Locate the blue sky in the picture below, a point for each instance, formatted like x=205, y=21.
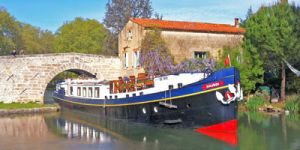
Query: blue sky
x=51, y=14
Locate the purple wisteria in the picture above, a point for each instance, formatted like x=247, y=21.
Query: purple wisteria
x=195, y=65
x=156, y=62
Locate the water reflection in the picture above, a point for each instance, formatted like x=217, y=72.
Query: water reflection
x=76, y=125
x=23, y=126
x=269, y=131
x=76, y=131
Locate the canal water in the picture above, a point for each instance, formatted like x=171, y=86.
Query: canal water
x=73, y=130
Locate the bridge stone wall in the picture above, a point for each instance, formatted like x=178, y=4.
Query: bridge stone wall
x=25, y=78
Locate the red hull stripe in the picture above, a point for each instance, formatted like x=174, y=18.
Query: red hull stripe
x=226, y=131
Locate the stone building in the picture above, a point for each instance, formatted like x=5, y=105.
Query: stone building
x=184, y=39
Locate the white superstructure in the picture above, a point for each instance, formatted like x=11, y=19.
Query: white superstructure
x=96, y=89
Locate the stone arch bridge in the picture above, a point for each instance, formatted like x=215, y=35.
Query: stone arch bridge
x=24, y=78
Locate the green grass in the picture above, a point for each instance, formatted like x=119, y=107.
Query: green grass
x=292, y=103
x=22, y=105
x=254, y=103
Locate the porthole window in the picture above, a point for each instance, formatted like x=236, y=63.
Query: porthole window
x=155, y=109
x=144, y=110
x=188, y=105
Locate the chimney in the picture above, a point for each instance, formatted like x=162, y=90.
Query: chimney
x=237, y=22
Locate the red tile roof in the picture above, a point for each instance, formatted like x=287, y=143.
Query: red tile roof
x=188, y=26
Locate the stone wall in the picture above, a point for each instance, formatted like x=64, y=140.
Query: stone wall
x=183, y=44
x=25, y=78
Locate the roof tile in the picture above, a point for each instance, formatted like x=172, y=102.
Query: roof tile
x=188, y=26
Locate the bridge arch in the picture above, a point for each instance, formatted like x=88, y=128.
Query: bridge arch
x=69, y=67
x=26, y=77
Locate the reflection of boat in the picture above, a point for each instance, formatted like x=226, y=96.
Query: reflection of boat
x=187, y=99
x=73, y=125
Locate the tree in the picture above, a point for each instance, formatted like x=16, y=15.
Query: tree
x=30, y=39
x=270, y=31
x=118, y=12
x=246, y=58
x=47, y=41
x=155, y=56
x=82, y=36
x=35, y=40
x=9, y=32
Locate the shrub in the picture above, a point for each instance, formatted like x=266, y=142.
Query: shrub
x=255, y=102
x=292, y=103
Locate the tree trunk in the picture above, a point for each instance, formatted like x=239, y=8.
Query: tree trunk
x=283, y=78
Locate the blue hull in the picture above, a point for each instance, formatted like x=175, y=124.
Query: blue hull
x=196, y=103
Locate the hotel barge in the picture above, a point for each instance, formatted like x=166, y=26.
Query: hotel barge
x=185, y=99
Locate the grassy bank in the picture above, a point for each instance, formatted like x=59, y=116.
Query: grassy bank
x=24, y=105
x=260, y=102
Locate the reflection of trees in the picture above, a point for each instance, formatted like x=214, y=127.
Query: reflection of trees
x=261, y=131
x=259, y=118
x=23, y=126
x=293, y=121
x=250, y=139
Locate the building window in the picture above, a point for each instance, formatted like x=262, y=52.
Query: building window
x=126, y=60
x=136, y=59
x=202, y=55
x=129, y=35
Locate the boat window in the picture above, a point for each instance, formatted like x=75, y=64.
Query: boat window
x=141, y=93
x=171, y=87
x=105, y=97
x=179, y=85
x=78, y=91
x=84, y=92
x=90, y=92
x=127, y=95
x=97, y=90
x=71, y=90
x=134, y=95
x=110, y=97
x=116, y=96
